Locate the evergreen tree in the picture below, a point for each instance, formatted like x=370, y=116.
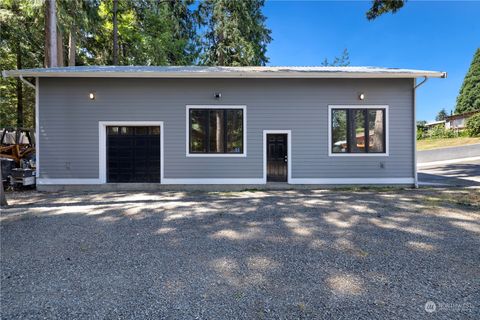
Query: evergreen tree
x=77, y=19
x=342, y=61
x=469, y=97
x=236, y=34
x=169, y=33
x=149, y=32
x=380, y=7
x=21, y=46
x=442, y=115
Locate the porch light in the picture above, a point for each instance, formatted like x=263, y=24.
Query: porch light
x=91, y=95
x=361, y=96
x=217, y=95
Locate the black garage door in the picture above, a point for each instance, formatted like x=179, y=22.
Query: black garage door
x=133, y=154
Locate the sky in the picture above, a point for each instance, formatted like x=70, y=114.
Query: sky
x=428, y=35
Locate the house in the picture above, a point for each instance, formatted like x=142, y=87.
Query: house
x=224, y=125
x=430, y=125
x=458, y=121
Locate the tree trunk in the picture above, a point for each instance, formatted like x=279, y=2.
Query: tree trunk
x=60, y=55
x=46, y=58
x=72, y=46
x=19, y=89
x=50, y=34
x=378, y=134
x=115, y=33
x=220, y=45
x=219, y=132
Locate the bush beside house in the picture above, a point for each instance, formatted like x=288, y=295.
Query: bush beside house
x=473, y=125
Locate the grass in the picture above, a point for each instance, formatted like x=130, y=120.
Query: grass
x=429, y=144
x=465, y=198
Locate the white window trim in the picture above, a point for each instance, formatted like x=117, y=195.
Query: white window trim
x=289, y=152
x=387, y=131
x=222, y=155
x=102, y=143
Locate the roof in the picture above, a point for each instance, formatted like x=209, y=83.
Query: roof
x=433, y=123
x=462, y=115
x=223, y=72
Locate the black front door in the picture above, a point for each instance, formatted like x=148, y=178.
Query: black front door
x=133, y=154
x=277, y=169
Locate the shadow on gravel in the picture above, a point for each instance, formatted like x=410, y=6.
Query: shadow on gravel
x=277, y=254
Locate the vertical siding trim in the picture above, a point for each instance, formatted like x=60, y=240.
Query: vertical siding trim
x=37, y=129
x=217, y=155
x=289, y=152
x=414, y=111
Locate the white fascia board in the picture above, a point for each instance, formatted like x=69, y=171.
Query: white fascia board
x=221, y=75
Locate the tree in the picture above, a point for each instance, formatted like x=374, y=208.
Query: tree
x=78, y=19
x=169, y=33
x=380, y=7
x=469, y=97
x=421, y=123
x=150, y=32
x=473, y=125
x=342, y=61
x=51, y=34
x=21, y=46
x=115, y=32
x=442, y=115
x=236, y=34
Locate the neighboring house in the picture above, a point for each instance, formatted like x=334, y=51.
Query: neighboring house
x=225, y=125
x=430, y=125
x=458, y=121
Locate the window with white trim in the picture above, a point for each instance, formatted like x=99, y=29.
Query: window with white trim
x=216, y=131
x=358, y=130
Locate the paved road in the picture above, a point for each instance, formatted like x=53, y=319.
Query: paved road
x=440, y=154
x=309, y=254
x=463, y=174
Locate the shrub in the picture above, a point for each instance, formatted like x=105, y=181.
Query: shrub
x=473, y=125
x=439, y=132
x=420, y=133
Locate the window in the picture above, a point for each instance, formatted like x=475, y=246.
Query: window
x=216, y=131
x=358, y=130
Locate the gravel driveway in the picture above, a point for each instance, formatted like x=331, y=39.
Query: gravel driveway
x=343, y=254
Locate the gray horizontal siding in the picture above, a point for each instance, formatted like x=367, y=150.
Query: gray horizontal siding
x=69, y=123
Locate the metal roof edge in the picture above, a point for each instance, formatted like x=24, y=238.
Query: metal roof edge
x=233, y=74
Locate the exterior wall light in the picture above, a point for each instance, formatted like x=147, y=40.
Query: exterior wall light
x=91, y=95
x=361, y=96
x=217, y=95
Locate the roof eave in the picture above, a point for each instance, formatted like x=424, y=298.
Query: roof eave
x=196, y=75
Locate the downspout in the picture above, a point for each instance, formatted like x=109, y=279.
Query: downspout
x=415, y=86
x=28, y=83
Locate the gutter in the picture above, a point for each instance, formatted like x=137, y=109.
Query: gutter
x=6, y=74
